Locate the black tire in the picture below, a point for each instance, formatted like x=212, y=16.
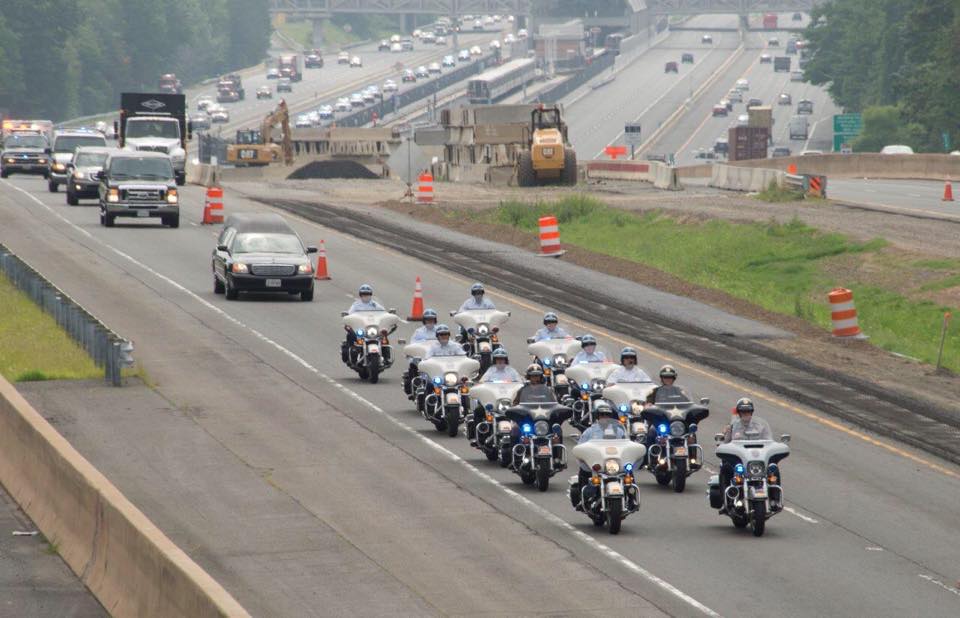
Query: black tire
x=663, y=478
x=217, y=285
x=52, y=186
x=173, y=221
x=491, y=454
x=505, y=456
x=526, y=177
x=230, y=291
x=181, y=179
x=740, y=521
x=543, y=478
x=108, y=220
x=680, y=476
x=306, y=295
x=598, y=520
x=72, y=199
x=759, y=518
x=528, y=477
x=373, y=371
x=485, y=362
x=452, y=418
x=614, y=515
x=362, y=373
x=569, y=176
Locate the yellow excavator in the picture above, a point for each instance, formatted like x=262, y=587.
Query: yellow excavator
x=255, y=147
x=549, y=158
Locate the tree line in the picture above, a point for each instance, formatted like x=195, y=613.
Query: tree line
x=61, y=59
x=898, y=62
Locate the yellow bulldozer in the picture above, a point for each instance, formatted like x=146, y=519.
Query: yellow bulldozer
x=549, y=158
x=255, y=147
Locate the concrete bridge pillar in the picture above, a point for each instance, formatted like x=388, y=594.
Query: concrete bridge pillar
x=318, y=24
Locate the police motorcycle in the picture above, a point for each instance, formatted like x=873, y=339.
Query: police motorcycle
x=612, y=492
x=627, y=400
x=675, y=454
x=754, y=493
x=587, y=381
x=412, y=379
x=538, y=451
x=444, y=398
x=490, y=401
x=482, y=327
x=371, y=353
x=553, y=356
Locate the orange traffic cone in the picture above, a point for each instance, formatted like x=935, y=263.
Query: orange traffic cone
x=792, y=169
x=321, y=274
x=948, y=192
x=416, y=313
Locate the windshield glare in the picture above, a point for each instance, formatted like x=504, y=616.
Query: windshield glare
x=69, y=144
x=91, y=159
x=153, y=128
x=136, y=167
x=267, y=243
x=25, y=141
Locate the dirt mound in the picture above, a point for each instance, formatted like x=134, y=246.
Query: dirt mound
x=332, y=169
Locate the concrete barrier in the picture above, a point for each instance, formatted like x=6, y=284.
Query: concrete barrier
x=619, y=169
x=744, y=178
x=127, y=562
x=665, y=176
x=867, y=165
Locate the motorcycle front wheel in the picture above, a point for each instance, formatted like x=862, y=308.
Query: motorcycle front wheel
x=453, y=421
x=543, y=478
x=759, y=517
x=614, y=514
x=680, y=475
x=374, y=370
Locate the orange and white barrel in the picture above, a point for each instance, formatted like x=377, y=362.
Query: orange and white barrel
x=549, y=236
x=425, y=188
x=843, y=313
x=213, y=206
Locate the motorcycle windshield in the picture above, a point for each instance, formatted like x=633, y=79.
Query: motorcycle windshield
x=673, y=395
x=383, y=320
x=473, y=318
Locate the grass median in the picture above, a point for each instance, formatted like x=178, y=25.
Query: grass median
x=786, y=268
x=33, y=347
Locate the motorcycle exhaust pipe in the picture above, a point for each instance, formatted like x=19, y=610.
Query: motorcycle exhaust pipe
x=519, y=451
x=431, y=401
x=732, y=493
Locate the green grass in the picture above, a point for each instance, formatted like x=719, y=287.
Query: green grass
x=299, y=31
x=780, y=267
x=32, y=345
x=774, y=193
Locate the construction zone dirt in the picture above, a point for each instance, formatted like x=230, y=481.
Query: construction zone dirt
x=333, y=169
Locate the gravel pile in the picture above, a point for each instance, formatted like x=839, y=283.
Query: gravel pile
x=332, y=169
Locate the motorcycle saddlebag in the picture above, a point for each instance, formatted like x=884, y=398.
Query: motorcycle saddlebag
x=716, y=493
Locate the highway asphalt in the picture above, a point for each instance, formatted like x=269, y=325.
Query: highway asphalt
x=273, y=439
x=921, y=197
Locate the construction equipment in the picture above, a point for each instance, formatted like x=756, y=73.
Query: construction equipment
x=549, y=156
x=256, y=146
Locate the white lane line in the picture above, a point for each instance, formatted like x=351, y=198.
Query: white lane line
x=805, y=518
x=949, y=589
x=536, y=508
x=873, y=548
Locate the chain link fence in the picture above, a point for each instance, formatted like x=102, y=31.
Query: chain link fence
x=107, y=349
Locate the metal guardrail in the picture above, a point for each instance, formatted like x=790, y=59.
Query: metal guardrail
x=107, y=349
x=798, y=182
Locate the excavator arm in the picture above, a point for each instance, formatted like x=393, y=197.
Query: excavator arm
x=279, y=116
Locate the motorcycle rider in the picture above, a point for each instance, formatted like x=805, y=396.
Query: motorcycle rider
x=365, y=302
x=551, y=328
x=477, y=299
x=606, y=427
x=535, y=391
x=628, y=371
x=444, y=346
x=499, y=371
x=737, y=430
x=589, y=352
x=668, y=379
x=427, y=332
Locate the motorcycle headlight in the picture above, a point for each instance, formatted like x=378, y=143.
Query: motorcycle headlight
x=371, y=332
x=504, y=427
x=677, y=429
x=450, y=378
x=559, y=360
x=756, y=469
x=598, y=385
x=611, y=466
x=502, y=405
x=541, y=428
x=560, y=379
x=636, y=427
x=636, y=407
x=483, y=329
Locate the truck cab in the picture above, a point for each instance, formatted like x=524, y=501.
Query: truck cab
x=155, y=123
